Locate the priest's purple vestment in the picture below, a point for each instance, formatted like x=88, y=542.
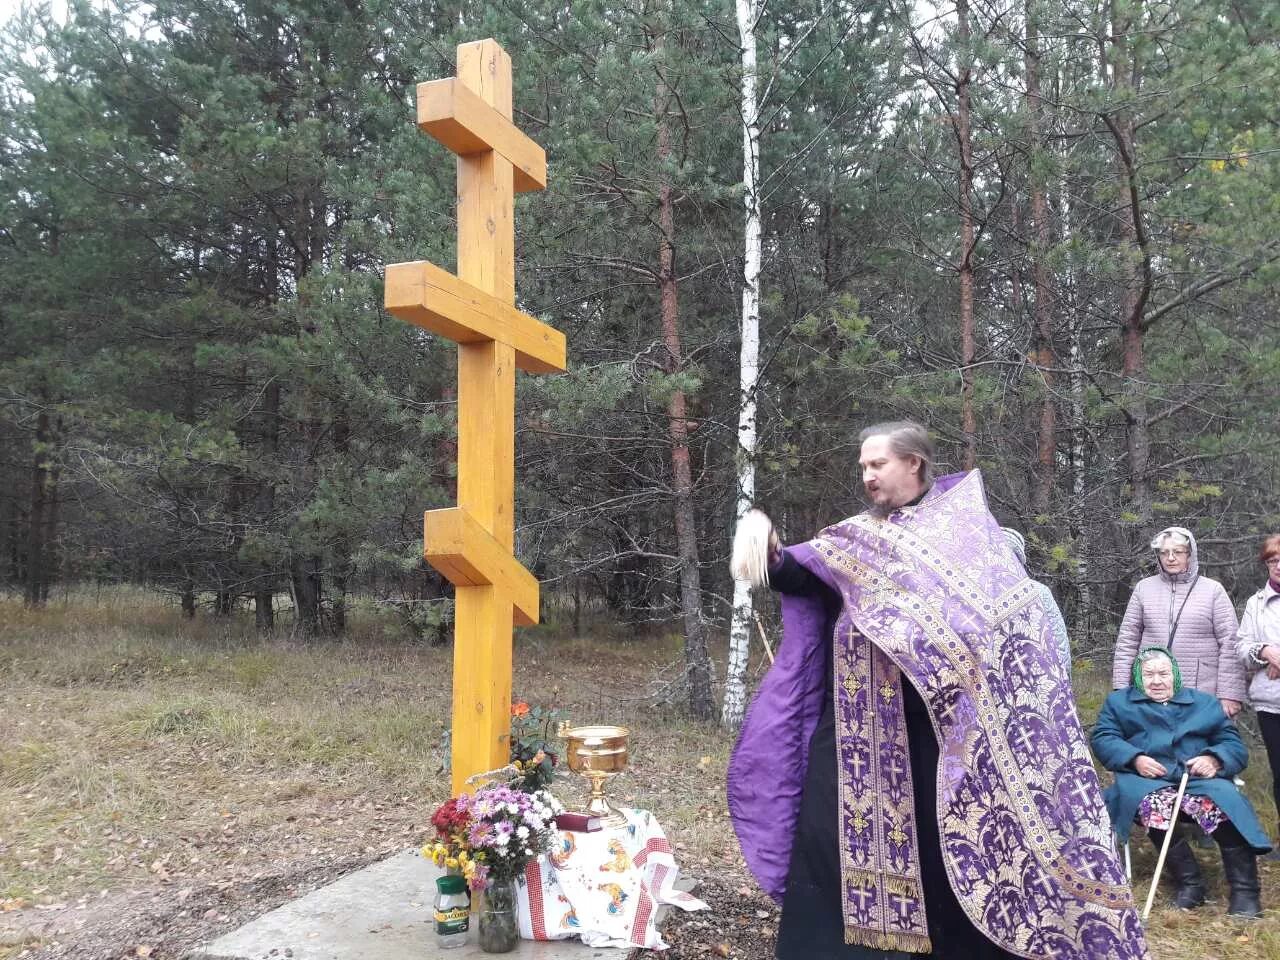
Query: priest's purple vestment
x=933, y=596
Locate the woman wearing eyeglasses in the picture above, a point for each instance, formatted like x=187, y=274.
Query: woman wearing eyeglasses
x=1187, y=613
x=1258, y=646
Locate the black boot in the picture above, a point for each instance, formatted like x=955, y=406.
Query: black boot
x=1182, y=866
x=1240, y=866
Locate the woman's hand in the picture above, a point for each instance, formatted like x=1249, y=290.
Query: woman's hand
x=1148, y=767
x=1271, y=654
x=1204, y=766
x=1229, y=707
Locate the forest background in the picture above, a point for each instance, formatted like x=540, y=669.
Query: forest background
x=1047, y=230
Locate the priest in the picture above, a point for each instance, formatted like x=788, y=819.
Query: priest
x=912, y=778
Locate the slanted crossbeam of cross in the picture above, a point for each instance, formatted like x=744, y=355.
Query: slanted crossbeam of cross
x=472, y=543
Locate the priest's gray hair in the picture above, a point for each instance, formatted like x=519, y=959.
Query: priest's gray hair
x=906, y=439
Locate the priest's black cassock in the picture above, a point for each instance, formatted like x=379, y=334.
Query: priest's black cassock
x=812, y=925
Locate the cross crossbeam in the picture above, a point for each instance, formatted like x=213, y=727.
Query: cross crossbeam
x=469, y=556
x=436, y=300
x=463, y=122
x=472, y=544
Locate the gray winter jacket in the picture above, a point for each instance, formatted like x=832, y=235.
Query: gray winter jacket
x=1204, y=641
x=1260, y=626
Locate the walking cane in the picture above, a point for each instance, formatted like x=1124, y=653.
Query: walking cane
x=1164, y=847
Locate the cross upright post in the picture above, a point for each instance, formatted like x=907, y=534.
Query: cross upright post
x=472, y=544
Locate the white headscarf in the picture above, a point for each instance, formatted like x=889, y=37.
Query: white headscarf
x=1181, y=537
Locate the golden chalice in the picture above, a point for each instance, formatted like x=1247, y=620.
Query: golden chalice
x=597, y=752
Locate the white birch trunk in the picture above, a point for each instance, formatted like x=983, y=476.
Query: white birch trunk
x=735, y=687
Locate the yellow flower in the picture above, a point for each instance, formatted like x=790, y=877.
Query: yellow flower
x=451, y=862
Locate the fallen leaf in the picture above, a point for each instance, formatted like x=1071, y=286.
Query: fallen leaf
x=143, y=950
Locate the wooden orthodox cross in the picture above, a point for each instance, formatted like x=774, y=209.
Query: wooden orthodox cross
x=472, y=543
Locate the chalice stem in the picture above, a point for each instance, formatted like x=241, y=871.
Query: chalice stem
x=598, y=805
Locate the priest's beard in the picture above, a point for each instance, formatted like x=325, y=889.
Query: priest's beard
x=881, y=511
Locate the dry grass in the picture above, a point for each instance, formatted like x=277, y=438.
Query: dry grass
x=144, y=751
x=139, y=745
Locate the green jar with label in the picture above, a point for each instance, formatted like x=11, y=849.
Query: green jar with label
x=453, y=911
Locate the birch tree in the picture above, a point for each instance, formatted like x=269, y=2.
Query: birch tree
x=749, y=357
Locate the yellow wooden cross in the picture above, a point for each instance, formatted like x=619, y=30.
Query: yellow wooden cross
x=472, y=543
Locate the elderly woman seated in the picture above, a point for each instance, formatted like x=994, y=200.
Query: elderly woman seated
x=1149, y=734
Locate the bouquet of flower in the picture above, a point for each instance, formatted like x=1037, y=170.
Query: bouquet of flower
x=494, y=834
x=509, y=828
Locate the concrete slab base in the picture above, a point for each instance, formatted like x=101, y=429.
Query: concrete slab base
x=382, y=912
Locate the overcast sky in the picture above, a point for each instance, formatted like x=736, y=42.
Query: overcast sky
x=9, y=7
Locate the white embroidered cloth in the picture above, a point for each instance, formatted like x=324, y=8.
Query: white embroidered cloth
x=604, y=887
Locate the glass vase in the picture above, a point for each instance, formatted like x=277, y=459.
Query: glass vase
x=499, y=932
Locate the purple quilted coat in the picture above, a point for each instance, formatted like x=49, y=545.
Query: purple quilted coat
x=1204, y=641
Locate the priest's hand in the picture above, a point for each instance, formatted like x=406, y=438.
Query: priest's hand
x=1204, y=766
x=1148, y=767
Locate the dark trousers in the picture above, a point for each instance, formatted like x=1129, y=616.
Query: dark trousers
x=1269, y=724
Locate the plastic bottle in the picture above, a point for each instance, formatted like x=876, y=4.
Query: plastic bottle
x=453, y=911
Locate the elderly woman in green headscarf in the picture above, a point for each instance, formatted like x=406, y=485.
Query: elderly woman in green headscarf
x=1152, y=732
